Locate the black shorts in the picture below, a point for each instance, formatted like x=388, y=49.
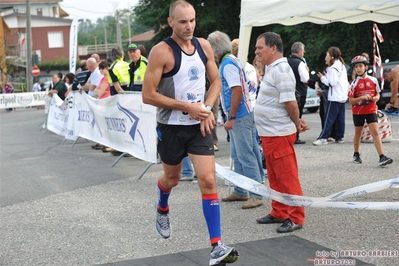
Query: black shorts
x=358, y=120
x=174, y=142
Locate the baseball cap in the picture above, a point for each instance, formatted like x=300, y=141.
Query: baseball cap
x=132, y=46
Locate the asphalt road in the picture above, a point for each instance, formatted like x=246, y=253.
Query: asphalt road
x=67, y=206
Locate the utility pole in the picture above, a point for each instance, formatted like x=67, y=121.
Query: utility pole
x=95, y=43
x=29, y=81
x=118, y=30
x=105, y=39
x=128, y=24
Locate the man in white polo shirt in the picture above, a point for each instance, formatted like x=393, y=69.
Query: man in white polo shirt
x=277, y=121
x=94, y=79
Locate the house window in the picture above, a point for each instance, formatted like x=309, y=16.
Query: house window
x=39, y=55
x=55, y=39
x=40, y=12
x=55, y=12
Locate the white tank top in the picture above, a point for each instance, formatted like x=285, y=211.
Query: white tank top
x=185, y=82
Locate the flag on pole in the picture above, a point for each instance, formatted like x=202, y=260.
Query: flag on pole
x=21, y=39
x=376, y=54
x=22, y=46
x=73, y=45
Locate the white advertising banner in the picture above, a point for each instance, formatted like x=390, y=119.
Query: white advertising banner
x=72, y=132
x=122, y=122
x=57, y=118
x=73, y=45
x=26, y=99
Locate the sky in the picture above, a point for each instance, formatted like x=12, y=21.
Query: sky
x=94, y=9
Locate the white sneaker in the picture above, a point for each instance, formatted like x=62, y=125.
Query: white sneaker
x=320, y=142
x=340, y=141
x=222, y=254
x=186, y=178
x=227, y=183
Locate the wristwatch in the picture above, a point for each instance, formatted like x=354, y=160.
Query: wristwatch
x=231, y=117
x=208, y=107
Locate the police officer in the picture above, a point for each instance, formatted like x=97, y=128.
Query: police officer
x=137, y=67
x=118, y=73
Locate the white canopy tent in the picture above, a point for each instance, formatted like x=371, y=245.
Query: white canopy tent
x=292, y=12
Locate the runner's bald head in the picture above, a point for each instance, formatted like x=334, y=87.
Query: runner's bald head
x=182, y=3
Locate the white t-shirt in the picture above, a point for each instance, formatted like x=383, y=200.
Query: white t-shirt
x=95, y=79
x=251, y=75
x=230, y=73
x=36, y=87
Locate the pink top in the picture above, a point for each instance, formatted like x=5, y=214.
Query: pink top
x=107, y=92
x=8, y=88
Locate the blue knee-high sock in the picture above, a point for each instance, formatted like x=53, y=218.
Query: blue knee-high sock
x=163, y=197
x=211, y=209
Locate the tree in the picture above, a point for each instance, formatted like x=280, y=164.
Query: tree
x=87, y=29
x=352, y=39
x=7, y=62
x=210, y=15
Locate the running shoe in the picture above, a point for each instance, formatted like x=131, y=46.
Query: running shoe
x=356, y=158
x=385, y=160
x=222, y=254
x=391, y=111
x=162, y=223
x=288, y=226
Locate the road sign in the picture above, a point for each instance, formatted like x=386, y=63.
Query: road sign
x=35, y=71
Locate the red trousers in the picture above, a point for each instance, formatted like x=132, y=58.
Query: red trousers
x=282, y=173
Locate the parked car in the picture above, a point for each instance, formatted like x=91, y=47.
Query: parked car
x=45, y=81
x=312, y=101
x=385, y=96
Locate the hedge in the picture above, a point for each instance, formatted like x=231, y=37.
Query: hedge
x=57, y=64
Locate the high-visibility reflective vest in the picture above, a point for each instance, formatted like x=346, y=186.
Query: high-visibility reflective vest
x=137, y=73
x=119, y=72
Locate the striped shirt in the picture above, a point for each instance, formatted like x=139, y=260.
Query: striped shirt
x=277, y=87
x=80, y=79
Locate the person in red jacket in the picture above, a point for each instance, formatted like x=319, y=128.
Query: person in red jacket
x=363, y=95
